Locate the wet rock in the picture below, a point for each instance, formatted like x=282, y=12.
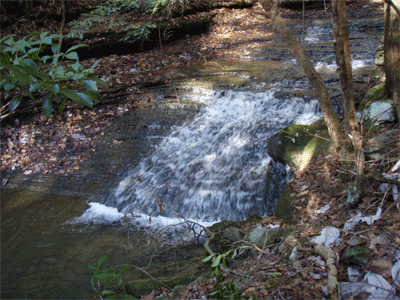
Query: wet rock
x=233, y=234
x=358, y=255
x=284, y=209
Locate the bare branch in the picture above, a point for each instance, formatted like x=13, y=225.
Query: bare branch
x=390, y=2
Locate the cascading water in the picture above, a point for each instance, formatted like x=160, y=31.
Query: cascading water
x=213, y=167
x=216, y=166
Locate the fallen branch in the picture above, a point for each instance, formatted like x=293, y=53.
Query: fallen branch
x=330, y=258
x=148, y=274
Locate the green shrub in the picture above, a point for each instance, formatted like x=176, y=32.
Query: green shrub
x=43, y=78
x=103, y=279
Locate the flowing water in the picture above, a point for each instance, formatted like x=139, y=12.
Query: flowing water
x=204, y=158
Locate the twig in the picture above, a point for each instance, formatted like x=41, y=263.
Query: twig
x=148, y=274
x=390, y=2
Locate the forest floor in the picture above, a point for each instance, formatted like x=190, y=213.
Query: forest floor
x=35, y=145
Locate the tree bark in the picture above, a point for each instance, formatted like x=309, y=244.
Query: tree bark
x=343, y=60
x=335, y=130
x=392, y=53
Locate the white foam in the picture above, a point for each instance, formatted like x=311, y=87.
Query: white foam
x=99, y=213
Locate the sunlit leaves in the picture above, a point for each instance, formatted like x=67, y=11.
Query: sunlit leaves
x=24, y=72
x=90, y=85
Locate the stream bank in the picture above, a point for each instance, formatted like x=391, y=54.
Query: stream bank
x=89, y=180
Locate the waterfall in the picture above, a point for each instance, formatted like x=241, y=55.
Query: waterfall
x=216, y=166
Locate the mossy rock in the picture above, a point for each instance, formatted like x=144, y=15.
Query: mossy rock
x=284, y=208
x=141, y=287
x=221, y=226
x=373, y=94
x=358, y=255
x=297, y=144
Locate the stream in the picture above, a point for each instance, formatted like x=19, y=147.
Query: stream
x=203, y=158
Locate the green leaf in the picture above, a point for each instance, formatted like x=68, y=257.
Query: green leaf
x=8, y=86
x=96, y=97
x=45, y=58
x=33, y=50
x=91, y=267
x=128, y=297
x=21, y=45
x=56, y=88
x=107, y=292
x=47, y=108
x=35, y=87
x=102, y=259
x=208, y=258
x=76, y=47
x=97, y=80
x=17, y=72
x=216, y=262
x=62, y=106
x=119, y=281
x=9, y=39
x=76, y=66
x=72, y=55
x=55, y=58
x=123, y=270
x=104, y=276
x=13, y=104
x=94, y=65
x=55, y=48
x=31, y=65
x=90, y=85
x=85, y=99
x=224, y=263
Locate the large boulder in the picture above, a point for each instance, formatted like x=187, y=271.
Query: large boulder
x=378, y=112
x=373, y=109
x=297, y=144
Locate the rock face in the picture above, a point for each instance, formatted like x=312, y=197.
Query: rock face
x=258, y=237
x=296, y=144
x=379, y=112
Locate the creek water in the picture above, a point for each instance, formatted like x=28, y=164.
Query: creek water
x=204, y=158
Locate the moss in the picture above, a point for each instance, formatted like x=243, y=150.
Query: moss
x=373, y=94
x=279, y=234
x=218, y=227
x=284, y=208
x=297, y=144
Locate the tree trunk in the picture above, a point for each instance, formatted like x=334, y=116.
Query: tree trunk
x=392, y=53
x=343, y=60
x=335, y=130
